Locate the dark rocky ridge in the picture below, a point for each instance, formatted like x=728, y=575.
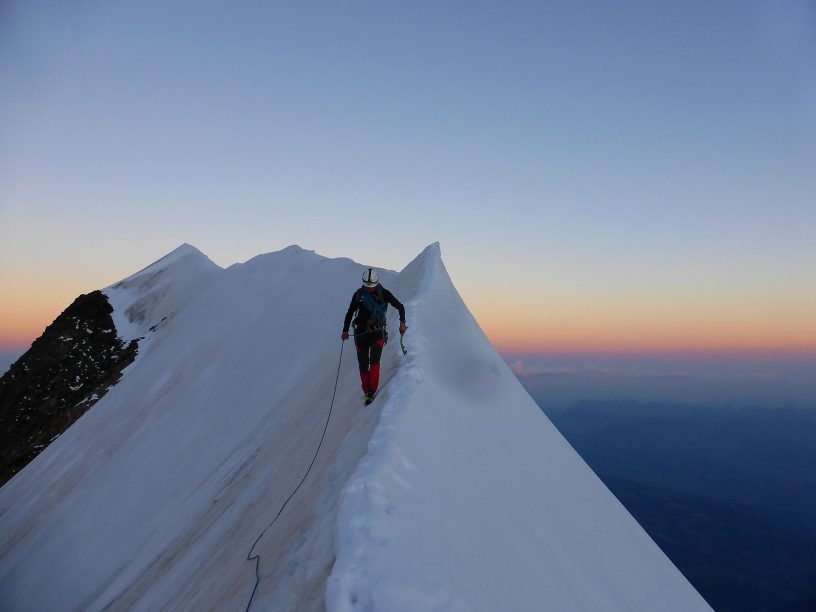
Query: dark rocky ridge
x=65, y=372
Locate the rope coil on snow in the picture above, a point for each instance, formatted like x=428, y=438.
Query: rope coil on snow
x=257, y=558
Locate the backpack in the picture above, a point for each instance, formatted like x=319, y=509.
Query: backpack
x=376, y=306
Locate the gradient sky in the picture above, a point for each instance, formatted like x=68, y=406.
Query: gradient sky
x=601, y=176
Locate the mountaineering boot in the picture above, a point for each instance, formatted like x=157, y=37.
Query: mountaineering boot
x=369, y=397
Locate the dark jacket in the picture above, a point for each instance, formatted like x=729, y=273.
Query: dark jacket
x=381, y=294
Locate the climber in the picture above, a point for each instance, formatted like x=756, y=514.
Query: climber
x=370, y=303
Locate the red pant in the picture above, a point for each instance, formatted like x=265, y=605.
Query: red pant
x=369, y=350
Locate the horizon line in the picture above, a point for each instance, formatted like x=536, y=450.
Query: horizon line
x=21, y=345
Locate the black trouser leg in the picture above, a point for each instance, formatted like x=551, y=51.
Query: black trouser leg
x=376, y=352
x=362, y=354
x=369, y=350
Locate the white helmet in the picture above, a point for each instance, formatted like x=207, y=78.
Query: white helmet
x=370, y=277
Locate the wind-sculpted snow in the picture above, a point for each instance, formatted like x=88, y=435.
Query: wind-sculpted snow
x=457, y=493
x=469, y=499
x=144, y=300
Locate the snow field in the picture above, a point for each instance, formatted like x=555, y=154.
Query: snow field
x=451, y=492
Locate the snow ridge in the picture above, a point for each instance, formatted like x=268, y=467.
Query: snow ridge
x=468, y=498
x=147, y=298
x=152, y=499
x=451, y=492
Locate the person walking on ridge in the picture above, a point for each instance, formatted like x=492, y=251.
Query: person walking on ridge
x=370, y=303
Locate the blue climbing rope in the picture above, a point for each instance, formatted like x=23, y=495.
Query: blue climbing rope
x=257, y=558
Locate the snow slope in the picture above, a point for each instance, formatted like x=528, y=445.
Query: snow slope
x=160, y=290
x=451, y=492
x=469, y=498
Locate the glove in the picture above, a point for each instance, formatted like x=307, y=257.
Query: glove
x=403, y=327
x=344, y=336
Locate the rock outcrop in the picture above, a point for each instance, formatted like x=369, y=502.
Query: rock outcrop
x=65, y=372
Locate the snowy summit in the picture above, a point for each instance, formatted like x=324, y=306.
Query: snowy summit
x=452, y=491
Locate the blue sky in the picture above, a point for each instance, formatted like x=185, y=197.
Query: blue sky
x=628, y=171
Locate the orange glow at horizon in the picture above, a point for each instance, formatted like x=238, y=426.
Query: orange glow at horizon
x=655, y=328
x=524, y=321
x=31, y=306
x=644, y=346
x=21, y=323
x=644, y=334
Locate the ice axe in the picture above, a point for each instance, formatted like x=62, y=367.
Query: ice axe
x=402, y=345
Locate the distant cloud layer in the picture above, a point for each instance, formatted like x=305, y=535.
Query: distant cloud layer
x=522, y=370
x=557, y=382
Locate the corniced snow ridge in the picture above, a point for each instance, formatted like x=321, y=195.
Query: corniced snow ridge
x=452, y=491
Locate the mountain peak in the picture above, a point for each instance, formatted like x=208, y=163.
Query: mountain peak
x=186, y=249
x=159, y=290
x=295, y=248
x=215, y=422
x=185, y=252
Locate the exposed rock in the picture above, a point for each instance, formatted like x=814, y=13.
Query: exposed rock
x=65, y=372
